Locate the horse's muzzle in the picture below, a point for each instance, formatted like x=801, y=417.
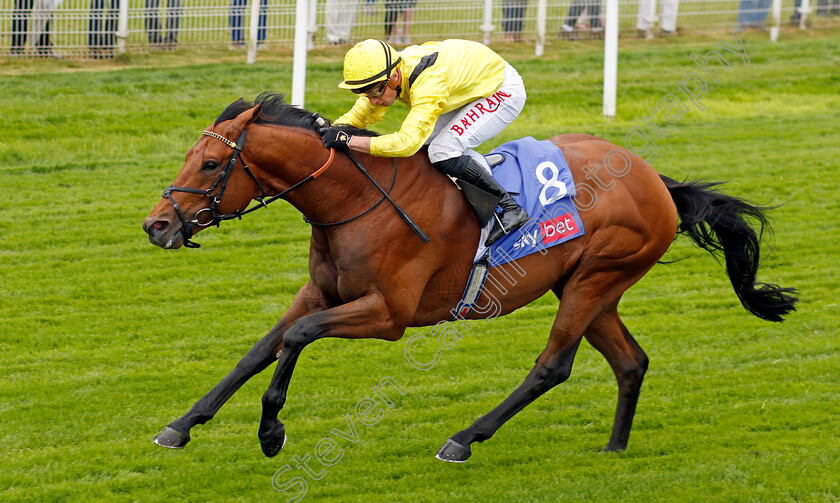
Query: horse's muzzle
x=163, y=232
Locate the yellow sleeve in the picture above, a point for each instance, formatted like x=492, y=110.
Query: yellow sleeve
x=428, y=99
x=362, y=114
x=414, y=131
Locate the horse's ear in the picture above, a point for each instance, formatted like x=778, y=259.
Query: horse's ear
x=243, y=120
x=250, y=115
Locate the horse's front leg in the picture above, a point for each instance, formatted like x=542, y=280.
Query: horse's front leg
x=261, y=355
x=368, y=317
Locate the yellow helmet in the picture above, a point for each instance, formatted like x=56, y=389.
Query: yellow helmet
x=367, y=64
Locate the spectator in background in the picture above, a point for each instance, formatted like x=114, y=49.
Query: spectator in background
x=512, y=13
x=370, y=7
x=593, y=10
x=237, y=18
x=667, y=19
x=153, y=29
x=20, y=25
x=824, y=10
x=39, y=35
x=796, y=16
x=339, y=18
x=399, y=12
x=752, y=14
x=102, y=28
x=38, y=31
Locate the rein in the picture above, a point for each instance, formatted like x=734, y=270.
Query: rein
x=360, y=215
x=215, y=218
x=407, y=219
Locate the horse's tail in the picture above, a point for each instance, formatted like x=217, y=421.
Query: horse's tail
x=719, y=224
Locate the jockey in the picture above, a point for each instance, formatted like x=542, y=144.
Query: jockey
x=460, y=94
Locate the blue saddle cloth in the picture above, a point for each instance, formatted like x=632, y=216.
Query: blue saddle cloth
x=536, y=174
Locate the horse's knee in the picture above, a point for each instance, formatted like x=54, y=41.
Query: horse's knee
x=301, y=333
x=548, y=376
x=561, y=374
x=557, y=367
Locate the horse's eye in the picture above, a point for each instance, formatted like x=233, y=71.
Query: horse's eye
x=209, y=166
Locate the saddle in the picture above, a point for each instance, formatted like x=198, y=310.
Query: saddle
x=536, y=175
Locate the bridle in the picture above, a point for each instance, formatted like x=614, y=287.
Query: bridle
x=215, y=218
x=216, y=191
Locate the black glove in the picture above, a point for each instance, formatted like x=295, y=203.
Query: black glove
x=336, y=138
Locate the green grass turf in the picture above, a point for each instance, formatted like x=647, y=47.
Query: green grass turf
x=105, y=338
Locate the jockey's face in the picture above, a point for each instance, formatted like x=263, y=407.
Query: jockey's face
x=390, y=95
x=387, y=99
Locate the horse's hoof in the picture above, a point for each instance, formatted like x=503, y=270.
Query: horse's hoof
x=613, y=448
x=274, y=441
x=454, y=452
x=171, y=438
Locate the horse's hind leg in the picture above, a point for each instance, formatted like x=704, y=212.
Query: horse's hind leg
x=584, y=296
x=609, y=336
x=553, y=367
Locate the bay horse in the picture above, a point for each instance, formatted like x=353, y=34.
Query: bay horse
x=371, y=277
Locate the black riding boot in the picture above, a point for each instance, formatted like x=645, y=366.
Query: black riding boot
x=469, y=170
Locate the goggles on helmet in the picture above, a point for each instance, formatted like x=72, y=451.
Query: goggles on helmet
x=374, y=91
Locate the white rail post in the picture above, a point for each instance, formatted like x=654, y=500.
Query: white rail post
x=610, y=57
x=542, y=13
x=253, y=30
x=777, y=19
x=487, y=26
x=122, y=26
x=299, y=65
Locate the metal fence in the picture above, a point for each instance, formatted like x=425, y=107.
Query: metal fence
x=100, y=28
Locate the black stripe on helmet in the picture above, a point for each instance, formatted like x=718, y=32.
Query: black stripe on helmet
x=384, y=73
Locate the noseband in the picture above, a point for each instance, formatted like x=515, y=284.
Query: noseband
x=217, y=191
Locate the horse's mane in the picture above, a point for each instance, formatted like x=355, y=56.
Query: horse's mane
x=276, y=111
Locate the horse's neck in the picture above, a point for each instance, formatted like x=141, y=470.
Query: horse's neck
x=291, y=155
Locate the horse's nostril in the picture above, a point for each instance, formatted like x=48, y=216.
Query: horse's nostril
x=156, y=227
